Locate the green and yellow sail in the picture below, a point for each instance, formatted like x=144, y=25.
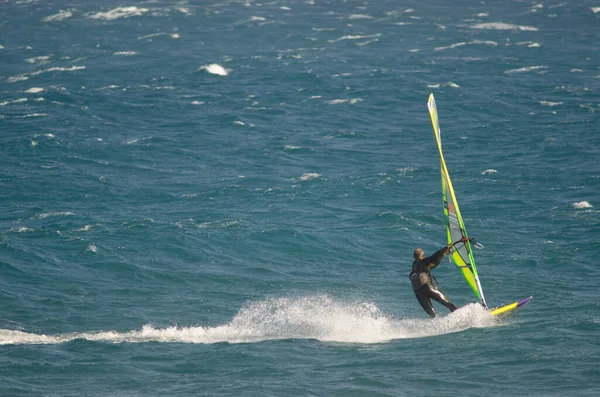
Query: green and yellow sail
x=462, y=256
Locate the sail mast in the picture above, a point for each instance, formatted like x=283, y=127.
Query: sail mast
x=462, y=255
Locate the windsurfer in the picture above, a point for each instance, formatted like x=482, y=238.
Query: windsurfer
x=423, y=282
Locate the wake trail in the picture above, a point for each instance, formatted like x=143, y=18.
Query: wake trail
x=317, y=317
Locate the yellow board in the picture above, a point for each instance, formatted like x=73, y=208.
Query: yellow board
x=508, y=309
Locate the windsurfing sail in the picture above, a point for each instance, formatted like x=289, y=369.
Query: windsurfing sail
x=462, y=256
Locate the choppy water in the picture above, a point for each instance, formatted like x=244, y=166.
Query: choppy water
x=222, y=198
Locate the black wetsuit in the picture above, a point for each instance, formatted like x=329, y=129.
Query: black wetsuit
x=425, y=290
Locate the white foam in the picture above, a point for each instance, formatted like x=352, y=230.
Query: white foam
x=312, y=317
x=15, y=101
x=482, y=14
x=148, y=36
x=503, y=26
x=448, y=84
x=61, y=16
x=486, y=42
x=529, y=44
x=55, y=69
x=197, y=103
x=40, y=59
x=291, y=147
x=595, y=10
x=53, y=214
x=396, y=13
x=582, y=204
x=576, y=70
x=339, y=101
x=490, y=171
x=357, y=37
x=20, y=229
x=35, y=90
x=31, y=115
x=551, y=104
x=405, y=170
x=125, y=53
x=215, y=69
x=364, y=43
x=526, y=69
x=257, y=18
x=359, y=16
x=119, y=12
x=309, y=175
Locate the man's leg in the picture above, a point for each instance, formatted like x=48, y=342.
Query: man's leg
x=425, y=301
x=437, y=296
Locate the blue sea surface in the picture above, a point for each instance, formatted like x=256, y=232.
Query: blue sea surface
x=222, y=198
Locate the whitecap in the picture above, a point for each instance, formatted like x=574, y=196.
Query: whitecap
x=309, y=175
x=91, y=248
x=60, y=16
x=396, y=13
x=490, y=171
x=125, y=53
x=359, y=16
x=337, y=101
x=35, y=90
x=405, y=170
x=119, y=12
x=549, y=103
x=595, y=10
x=40, y=59
x=20, y=229
x=215, y=69
x=526, y=69
x=357, y=37
x=53, y=214
x=503, y=26
x=55, y=69
x=15, y=101
x=148, y=36
x=582, y=204
x=31, y=115
x=486, y=42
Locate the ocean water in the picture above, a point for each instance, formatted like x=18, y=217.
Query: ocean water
x=222, y=198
